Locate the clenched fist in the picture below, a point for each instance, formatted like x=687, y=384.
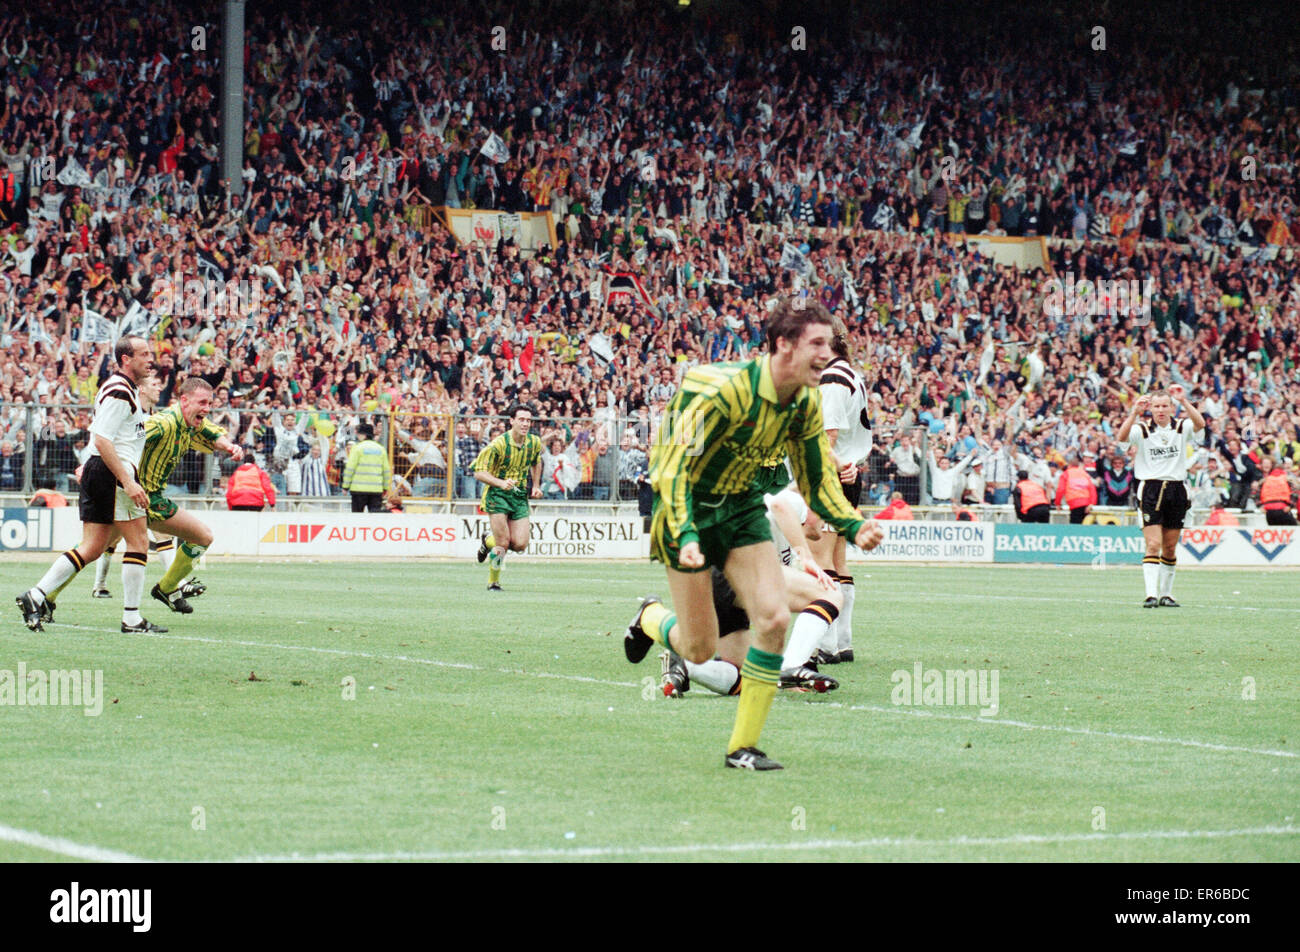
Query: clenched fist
x=869, y=536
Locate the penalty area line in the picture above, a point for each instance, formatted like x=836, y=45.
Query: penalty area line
x=583, y=852
x=57, y=844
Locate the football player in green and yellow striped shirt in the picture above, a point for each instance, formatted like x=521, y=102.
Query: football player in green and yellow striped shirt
x=504, y=466
x=169, y=434
x=725, y=425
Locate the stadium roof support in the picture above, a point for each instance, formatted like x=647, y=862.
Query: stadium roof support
x=232, y=95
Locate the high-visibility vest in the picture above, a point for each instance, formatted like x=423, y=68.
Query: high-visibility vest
x=368, y=469
x=1274, y=492
x=1078, y=488
x=1031, y=495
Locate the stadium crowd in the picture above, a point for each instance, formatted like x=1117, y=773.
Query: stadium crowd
x=718, y=164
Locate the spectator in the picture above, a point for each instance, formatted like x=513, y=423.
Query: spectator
x=633, y=466
x=1277, y=495
x=315, y=478
x=56, y=456
x=906, y=459
x=11, y=467
x=1030, y=500
x=1116, y=482
x=249, y=489
x=559, y=472
x=1075, y=490
x=897, y=508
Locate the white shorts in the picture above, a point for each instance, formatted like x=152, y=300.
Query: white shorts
x=124, y=509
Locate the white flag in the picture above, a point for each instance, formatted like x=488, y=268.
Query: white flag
x=495, y=149
x=96, y=329
x=137, y=322
x=73, y=174
x=792, y=259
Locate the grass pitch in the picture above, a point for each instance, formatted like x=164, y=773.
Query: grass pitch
x=512, y=727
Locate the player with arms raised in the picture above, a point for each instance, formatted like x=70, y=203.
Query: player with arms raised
x=504, y=466
x=725, y=423
x=1161, y=471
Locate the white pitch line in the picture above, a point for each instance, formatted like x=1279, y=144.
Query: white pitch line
x=1065, y=729
x=582, y=852
x=886, y=592
x=57, y=844
x=357, y=654
x=1023, y=725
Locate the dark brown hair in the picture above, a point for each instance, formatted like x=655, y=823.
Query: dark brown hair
x=791, y=318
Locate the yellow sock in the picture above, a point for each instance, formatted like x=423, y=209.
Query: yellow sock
x=494, y=567
x=180, y=567
x=658, y=622
x=758, y=678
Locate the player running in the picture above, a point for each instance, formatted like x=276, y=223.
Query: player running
x=1161, y=471
x=814, y=597
x=505, y=465
x=723, y=425
x=110, y=497
x=169, y=434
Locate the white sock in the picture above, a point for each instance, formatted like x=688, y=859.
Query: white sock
x=844, y=631
x=810, y=626
x=716, y=675
x=166, y=556
x=133, y=564
x=1151, y=576
x=1167, y=580
x=101, y=570
x=830, y=640
x=64, y=568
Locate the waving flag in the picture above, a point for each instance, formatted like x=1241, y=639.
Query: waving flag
x=626, y=286
x=96, y=329
x=495, y=149
x=792, y=259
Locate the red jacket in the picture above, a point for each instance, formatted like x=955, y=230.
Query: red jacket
x=898, y=509
x=1076, y=488
x=250, y=486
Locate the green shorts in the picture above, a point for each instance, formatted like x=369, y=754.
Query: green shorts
x=772, y=479
x=513, y=504
x=161, y=508
x=723, y=523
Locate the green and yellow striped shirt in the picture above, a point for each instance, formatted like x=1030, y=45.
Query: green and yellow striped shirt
x=723, y=425
x=504, y=460
x=166, y=438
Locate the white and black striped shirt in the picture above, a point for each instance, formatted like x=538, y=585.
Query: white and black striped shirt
x=119, y=418
x=844, y=408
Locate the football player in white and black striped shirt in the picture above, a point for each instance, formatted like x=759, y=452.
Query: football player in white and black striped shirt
x=1160, y=467
x=110, y=494
x=848, y=429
